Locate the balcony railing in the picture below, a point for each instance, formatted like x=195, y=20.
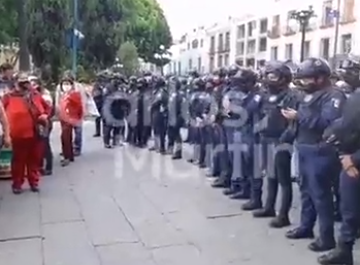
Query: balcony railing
x=289, y=31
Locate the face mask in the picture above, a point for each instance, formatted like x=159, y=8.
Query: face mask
x=24, y=86
x=66, y=88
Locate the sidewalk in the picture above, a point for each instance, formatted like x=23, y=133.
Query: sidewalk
x=101, y=211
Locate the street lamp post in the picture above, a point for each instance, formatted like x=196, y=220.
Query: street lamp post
x=303, y=18
x=74, y=38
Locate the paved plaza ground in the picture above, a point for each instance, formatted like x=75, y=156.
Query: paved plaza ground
x=131, y=207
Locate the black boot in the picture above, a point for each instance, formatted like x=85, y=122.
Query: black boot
x=231, y=190
x=264, y=213
x=319, y=246
x=240, y=195
x=279, y=222
x=221, y=182
x=298, y=233
x=177, y=155
x=251, y=205
x=341, y=255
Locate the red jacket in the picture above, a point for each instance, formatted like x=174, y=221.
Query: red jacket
x=21, y=122
x=71, y=107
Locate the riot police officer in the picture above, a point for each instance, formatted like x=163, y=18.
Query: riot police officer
x=98, y=96
x=220, y=163
x=348, y=145
x=244, y=113
x=198, y=105
x=132, y=115
x=176, y=117
x=276, y=133
x=159, y=113
x=320, y=106
x=114, y=111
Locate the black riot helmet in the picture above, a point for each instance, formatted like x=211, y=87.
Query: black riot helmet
x=350, y=71
x=194, y=73
x=184, y=82
x=160, y=82
x=314, y=74
x=199, y=83
x=277, y=75
x=221, y=72
x=233, y=69
x=244, y=79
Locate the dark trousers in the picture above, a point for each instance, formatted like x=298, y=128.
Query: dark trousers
x=110, y=133
x=98, y=125
x=350, y=207
x=66, y=141
x=280, y=175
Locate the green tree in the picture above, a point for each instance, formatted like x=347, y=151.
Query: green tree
x=48, y=22
x=128, y=57
x=148, y=28
x=106, y=24
x=8, y=22
x=102, y=23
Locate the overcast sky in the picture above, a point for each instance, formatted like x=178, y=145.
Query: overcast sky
x=183, y=15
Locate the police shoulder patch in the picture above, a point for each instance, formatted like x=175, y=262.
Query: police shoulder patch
x=307, y=98
x=336, y=102
x=273, y=98
x=257, y=98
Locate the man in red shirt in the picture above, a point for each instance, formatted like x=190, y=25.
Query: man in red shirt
x=27, y=115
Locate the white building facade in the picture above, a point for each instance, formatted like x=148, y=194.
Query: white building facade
x=221, y=50
x=250, y=40
x=271, y=34
x=189, y=53
x=284, y=36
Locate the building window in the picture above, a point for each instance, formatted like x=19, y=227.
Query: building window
x=194, y=44
x=251, y=46
x=201, y=43
x=212, y=63
x=307, y=49
x=190, y=65
x=346, y=43
x=263, y=26
x=263, y=44
x=199, y=64
x=274, y=53
x=188, y=46
x=276, y=21
x=220, y=61
x=348, y=11
x=325, y=48
x=328, y=14
x=251, y=28
x=227, y=41
x=241, y=32
x=289, y=51
x=212, y=44
x=240, y=48
x=179, y=68
x=226, y=60
x=221, y=42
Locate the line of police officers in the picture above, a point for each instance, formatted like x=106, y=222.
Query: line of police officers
x=245, y=128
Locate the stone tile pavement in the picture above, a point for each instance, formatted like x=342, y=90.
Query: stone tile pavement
x=132, y=207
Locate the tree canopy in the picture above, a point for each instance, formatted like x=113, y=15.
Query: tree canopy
x=105, y=24
x=128, y=58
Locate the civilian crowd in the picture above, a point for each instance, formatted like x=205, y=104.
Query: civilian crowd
x=26, y=115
